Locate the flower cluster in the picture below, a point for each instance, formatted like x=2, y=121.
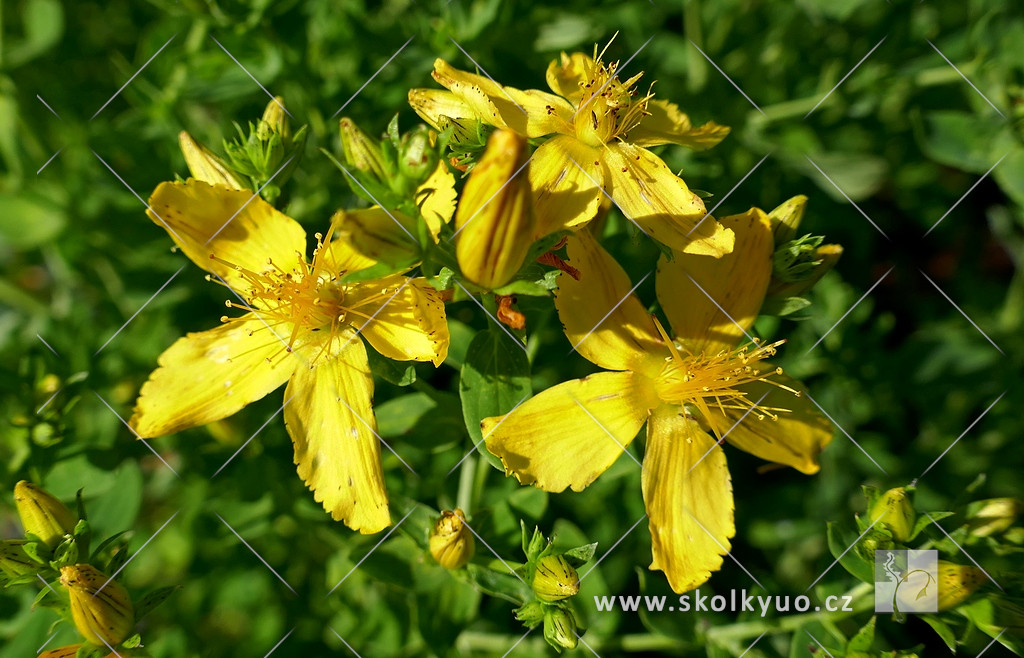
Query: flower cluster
x=499, y=196
x=55, y=548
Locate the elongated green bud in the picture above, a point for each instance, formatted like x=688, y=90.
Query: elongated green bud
x=100, y=606
x=993, y=516
x=452, y=543
x=560, y=629
x=361, y=151
x=43, y=515
x=14, y=561
x=555, y=579
x=895, y=512
x=495, y=219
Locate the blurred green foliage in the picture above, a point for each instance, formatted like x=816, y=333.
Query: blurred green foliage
x=905, y=137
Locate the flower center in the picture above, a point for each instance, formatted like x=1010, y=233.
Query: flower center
x=301, y=298
x=705, y=381
x=608, y=108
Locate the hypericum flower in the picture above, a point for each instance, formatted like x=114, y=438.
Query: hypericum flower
x=43, y=515
x=600, y=127
x=700, y=382
x=100, y=606
x=302, y=324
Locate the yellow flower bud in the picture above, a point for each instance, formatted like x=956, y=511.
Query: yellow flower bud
x=555, y=579
x=994, y=516
x=786, y=218
x=560, y=629
x=100, y=607
x=43, y=515
x=204, y=165
x=452, y=543
x=275, y=120
x=495, y=219
x=957, y=582
x=895, y=512
x=14, y=562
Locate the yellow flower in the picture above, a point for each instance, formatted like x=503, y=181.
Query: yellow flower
x=300, y=325
x=600, y=128
x=683, y=389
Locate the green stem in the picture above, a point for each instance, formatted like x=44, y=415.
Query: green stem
x=464, y=497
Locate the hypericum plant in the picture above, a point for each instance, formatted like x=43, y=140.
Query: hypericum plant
x=536, y=170
x=55, y=552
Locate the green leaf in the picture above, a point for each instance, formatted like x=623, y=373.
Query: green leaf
x=864, y=638
x=943, y=629
x=581, y=554
x=432, y=419
x=962, y=139
x=494, y=379
x=838, y=541
x=150, y=601
x=492, y=583
x=923, y=521
x=782, y=306
x=393, y=372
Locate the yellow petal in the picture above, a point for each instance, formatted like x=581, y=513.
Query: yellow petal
x=648, y=193
x=330, y=418
x=531, y=113
x=436, y=199
x=432, y=104
x=795, y=439
x=402, y=318
x=569, y=434
x=566, y=176
x=378, y=234
x=478, y=93
x=737, y=282
x=667, y=124
x=544, y=113
x=605, y=322
x=495, y=220
x=210, y=375
x=340, y=257
x=204, y=165
x=234, y=225
x=567, y=75
x=690, y=511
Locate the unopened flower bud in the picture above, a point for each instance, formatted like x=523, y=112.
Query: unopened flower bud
x=361, y=151
x=43, y=515
x=275, y=120
x=993, y=516
x=560, y=629
x=555, y=579
x=204, y=165
x=894, y=511
x=417, y=159
x=451, y=542
x=957, y=582
x=786, y=218
x=14, y=561
x=495, y=219
x=100, y=606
